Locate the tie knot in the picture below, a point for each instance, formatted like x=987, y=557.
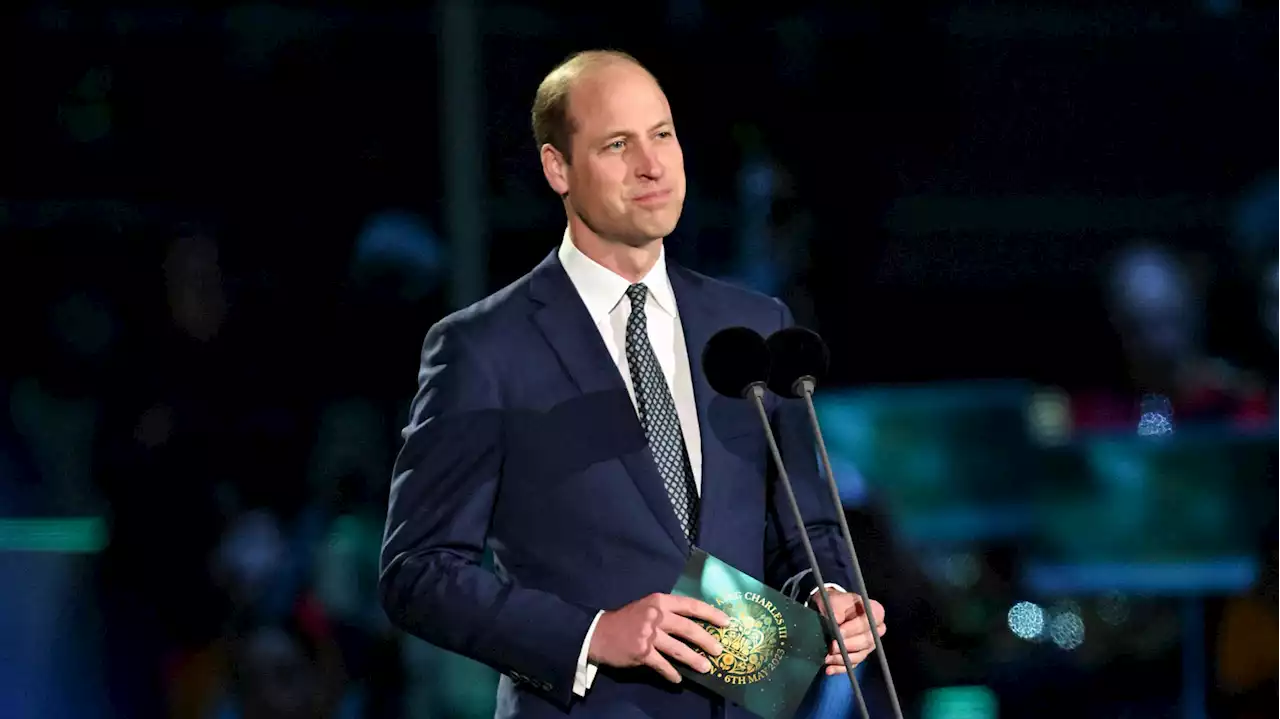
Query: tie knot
x=637, y=293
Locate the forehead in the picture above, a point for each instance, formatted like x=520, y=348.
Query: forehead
x=616, y=97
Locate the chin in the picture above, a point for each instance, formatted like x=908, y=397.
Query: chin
x=659, y=227
x=640, y=238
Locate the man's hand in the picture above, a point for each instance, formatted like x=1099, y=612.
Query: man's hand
x=854, y=627
x=645, y=632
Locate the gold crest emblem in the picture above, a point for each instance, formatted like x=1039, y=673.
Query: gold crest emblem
x=754, y=641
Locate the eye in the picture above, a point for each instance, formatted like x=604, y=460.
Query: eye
x=617, y=145
x=665, y=134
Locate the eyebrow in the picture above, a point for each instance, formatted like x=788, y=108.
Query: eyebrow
x=628, y=133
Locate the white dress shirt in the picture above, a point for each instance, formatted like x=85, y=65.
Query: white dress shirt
x=605, y=295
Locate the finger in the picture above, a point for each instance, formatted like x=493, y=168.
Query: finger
x=852, y=645
x=860, y=627
x=877, y=611
x=686, y=628
x=854, y=627
x=856, y=635
x=836, y=658
x=659, y=663
x=840, y=668
x=681, y=652
x=690, y=607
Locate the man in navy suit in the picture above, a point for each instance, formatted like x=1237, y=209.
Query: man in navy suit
x=565, y=423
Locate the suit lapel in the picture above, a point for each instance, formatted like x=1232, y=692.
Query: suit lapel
x=565, y=323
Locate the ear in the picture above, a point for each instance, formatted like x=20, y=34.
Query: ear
x=555, y=169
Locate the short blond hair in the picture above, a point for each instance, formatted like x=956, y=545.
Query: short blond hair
x=552, y=124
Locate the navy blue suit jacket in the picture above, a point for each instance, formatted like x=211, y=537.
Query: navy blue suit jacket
x=523, y=438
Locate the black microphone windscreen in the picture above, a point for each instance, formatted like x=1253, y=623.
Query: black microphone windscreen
x=734, y=359
x=795, y=352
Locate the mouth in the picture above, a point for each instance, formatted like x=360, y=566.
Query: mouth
x=652, y=198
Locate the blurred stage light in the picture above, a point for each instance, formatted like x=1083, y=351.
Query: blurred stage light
x=63, y=535
x=1113, y=609
x=1157, y=416
x=1049, y=416
x=973, y=702
x=1066, y=629
x=1026, y=620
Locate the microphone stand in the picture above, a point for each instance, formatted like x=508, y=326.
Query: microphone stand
x=756, y=394
x=805, y=387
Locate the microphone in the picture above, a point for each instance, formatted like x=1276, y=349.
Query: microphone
x=799, y=359
x=736, y=362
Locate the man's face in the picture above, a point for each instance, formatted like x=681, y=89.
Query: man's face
x=626, y=181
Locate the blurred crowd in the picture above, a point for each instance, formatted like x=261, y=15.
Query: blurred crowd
x=238, y=444
x=235, y=421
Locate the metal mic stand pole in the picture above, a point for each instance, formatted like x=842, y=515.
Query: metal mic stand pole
x=756, y=394
x=806, y=386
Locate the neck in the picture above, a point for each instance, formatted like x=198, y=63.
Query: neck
x=629, y=261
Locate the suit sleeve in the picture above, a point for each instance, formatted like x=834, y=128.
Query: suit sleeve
x=445, y=482
x=785, y=559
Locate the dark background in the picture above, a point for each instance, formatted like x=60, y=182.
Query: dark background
x=960, y=173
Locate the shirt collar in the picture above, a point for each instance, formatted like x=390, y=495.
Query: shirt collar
x=601, y=289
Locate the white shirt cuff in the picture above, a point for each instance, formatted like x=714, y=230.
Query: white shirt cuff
x=831, y=587
x=585, y=675
x=792, y=586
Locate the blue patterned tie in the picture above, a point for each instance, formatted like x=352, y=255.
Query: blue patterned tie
x=658, y=416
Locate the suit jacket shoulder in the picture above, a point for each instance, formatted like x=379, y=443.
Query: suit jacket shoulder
x=753, y=309
x=490, y=321
x=481, y=322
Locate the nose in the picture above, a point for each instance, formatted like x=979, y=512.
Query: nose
x=648, y=165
